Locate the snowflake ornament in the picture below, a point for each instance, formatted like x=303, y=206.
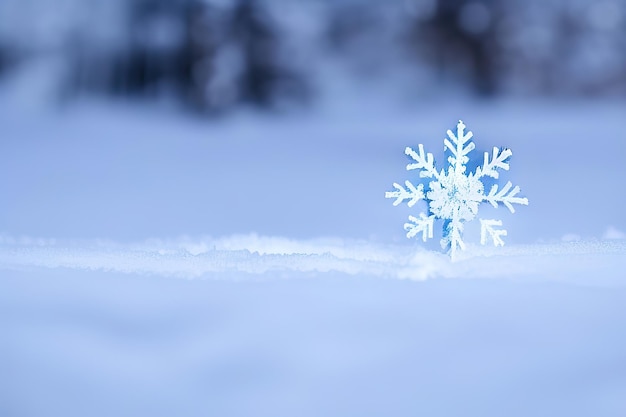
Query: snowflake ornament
x=455, y=195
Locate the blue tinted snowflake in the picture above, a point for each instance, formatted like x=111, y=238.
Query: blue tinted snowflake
x=455, y=195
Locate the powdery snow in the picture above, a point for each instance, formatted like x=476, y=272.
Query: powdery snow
x=100, y=343
x=591, y=262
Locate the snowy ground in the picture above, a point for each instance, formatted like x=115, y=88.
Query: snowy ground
x=155, y=264
x=110, y=344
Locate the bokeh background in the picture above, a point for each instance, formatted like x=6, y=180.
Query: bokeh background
x=212, y=56
x=130, y=119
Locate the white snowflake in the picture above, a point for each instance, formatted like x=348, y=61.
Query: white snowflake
x=454, y=196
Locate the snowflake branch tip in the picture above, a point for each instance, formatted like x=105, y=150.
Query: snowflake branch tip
x=505, y=197
x=456, y=144
x=487, y=228
x=424, y=225
x=499, y=159
x=423, y=161
x=411, y=193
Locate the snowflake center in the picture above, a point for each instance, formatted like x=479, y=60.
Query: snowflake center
x=456, y=196
x=453, y=194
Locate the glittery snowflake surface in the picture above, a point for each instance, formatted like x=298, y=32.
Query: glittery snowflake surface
x=454, y=195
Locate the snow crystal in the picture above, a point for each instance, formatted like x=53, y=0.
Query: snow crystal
x=455, y=195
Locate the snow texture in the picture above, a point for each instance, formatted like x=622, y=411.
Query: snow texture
x=455, y=195
x=597, y=262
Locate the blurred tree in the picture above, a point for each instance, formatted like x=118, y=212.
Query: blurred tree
x=264, y=74
x=163, y=41
x=458, y=37
x=362, y=37
x=195, y=60
x=348, y=23
x=5, y=58
x=172, y=43
x=566, y=48
x=212, y=57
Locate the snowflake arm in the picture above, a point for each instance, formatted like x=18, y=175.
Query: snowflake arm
x=487, y=228
x=423, y=161
x=506, y=197
x=499, y=159
x=457, y=145
x=411, y=193
x=453, y=237
x=454, y=195
x=423, y=225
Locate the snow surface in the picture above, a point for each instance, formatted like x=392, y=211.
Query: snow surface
x=154, y=264
x=596, y=263
x=110, y=344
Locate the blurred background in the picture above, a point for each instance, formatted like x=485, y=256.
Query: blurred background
x=212, y=56
x=129, y=119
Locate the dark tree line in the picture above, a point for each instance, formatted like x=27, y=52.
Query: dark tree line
x=211, y=57
x=494, y=47
x=544, y=47
x=460, y=36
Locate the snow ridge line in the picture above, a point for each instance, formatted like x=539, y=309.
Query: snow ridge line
x=184, y=264
x=242, y=256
